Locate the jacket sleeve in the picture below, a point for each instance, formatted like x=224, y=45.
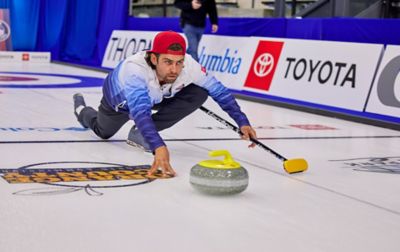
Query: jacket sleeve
x=140, y=105
x=183, y=5
x=212, y=12
x=225, y=100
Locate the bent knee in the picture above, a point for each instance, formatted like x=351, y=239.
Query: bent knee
x=104, y=135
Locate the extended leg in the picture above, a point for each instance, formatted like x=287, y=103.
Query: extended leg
x=105, y=122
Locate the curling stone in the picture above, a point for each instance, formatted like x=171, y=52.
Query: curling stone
x=219, y=177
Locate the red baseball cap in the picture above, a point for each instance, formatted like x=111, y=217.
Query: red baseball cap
x=165, y=39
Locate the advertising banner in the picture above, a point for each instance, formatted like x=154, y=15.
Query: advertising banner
x=336, y=74
x=5, y=30
x=227, y=58
x=327, y=73
x=126, y=43
x=19, y=57
x=385, y=94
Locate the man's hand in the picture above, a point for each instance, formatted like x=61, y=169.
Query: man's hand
x=161, y=160
x=214, y=28
x=196, y=4
x=248, y=132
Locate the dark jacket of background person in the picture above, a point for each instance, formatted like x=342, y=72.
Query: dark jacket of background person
x=197, y=17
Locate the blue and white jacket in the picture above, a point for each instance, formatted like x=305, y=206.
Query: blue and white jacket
x=133, y=88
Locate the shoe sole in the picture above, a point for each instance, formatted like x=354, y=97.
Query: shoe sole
x=77, y=96
x=131, y=143
x=74, y=97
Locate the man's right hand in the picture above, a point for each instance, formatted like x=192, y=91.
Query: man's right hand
x=196, y=4
x=161, y=160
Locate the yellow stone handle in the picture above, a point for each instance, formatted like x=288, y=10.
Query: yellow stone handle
x=228, y=160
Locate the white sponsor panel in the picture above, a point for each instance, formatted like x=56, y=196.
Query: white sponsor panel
x=227, y=58
x=336, y=74
x=32, y=57
x=385, y=95
x=123, y=44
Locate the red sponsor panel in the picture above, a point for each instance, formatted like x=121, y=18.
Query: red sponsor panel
x=262, y=68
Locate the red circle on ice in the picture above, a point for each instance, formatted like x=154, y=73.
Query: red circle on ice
x=16, y=78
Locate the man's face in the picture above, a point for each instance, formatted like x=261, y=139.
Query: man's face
x=168, y=66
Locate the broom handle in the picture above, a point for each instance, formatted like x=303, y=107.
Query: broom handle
x=234, y=128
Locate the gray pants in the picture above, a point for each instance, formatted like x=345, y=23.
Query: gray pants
x=106, y=121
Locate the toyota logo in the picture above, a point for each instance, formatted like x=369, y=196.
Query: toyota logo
x=264, y=64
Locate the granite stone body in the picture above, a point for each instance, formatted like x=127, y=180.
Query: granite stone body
x=219, y=181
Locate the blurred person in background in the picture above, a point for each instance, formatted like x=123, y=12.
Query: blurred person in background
x=193, y=21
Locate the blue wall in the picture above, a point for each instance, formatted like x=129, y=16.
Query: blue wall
x=72, y=30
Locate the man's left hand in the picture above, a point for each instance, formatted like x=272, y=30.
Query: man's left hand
x=248, y=132
x=214, y=28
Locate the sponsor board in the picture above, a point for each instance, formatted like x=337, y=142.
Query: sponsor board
x=336, y=74
x=385, y=94
x=5, y=30
x=228, y=58
x=123, y=44
x=327, y=73
x=31, y=57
